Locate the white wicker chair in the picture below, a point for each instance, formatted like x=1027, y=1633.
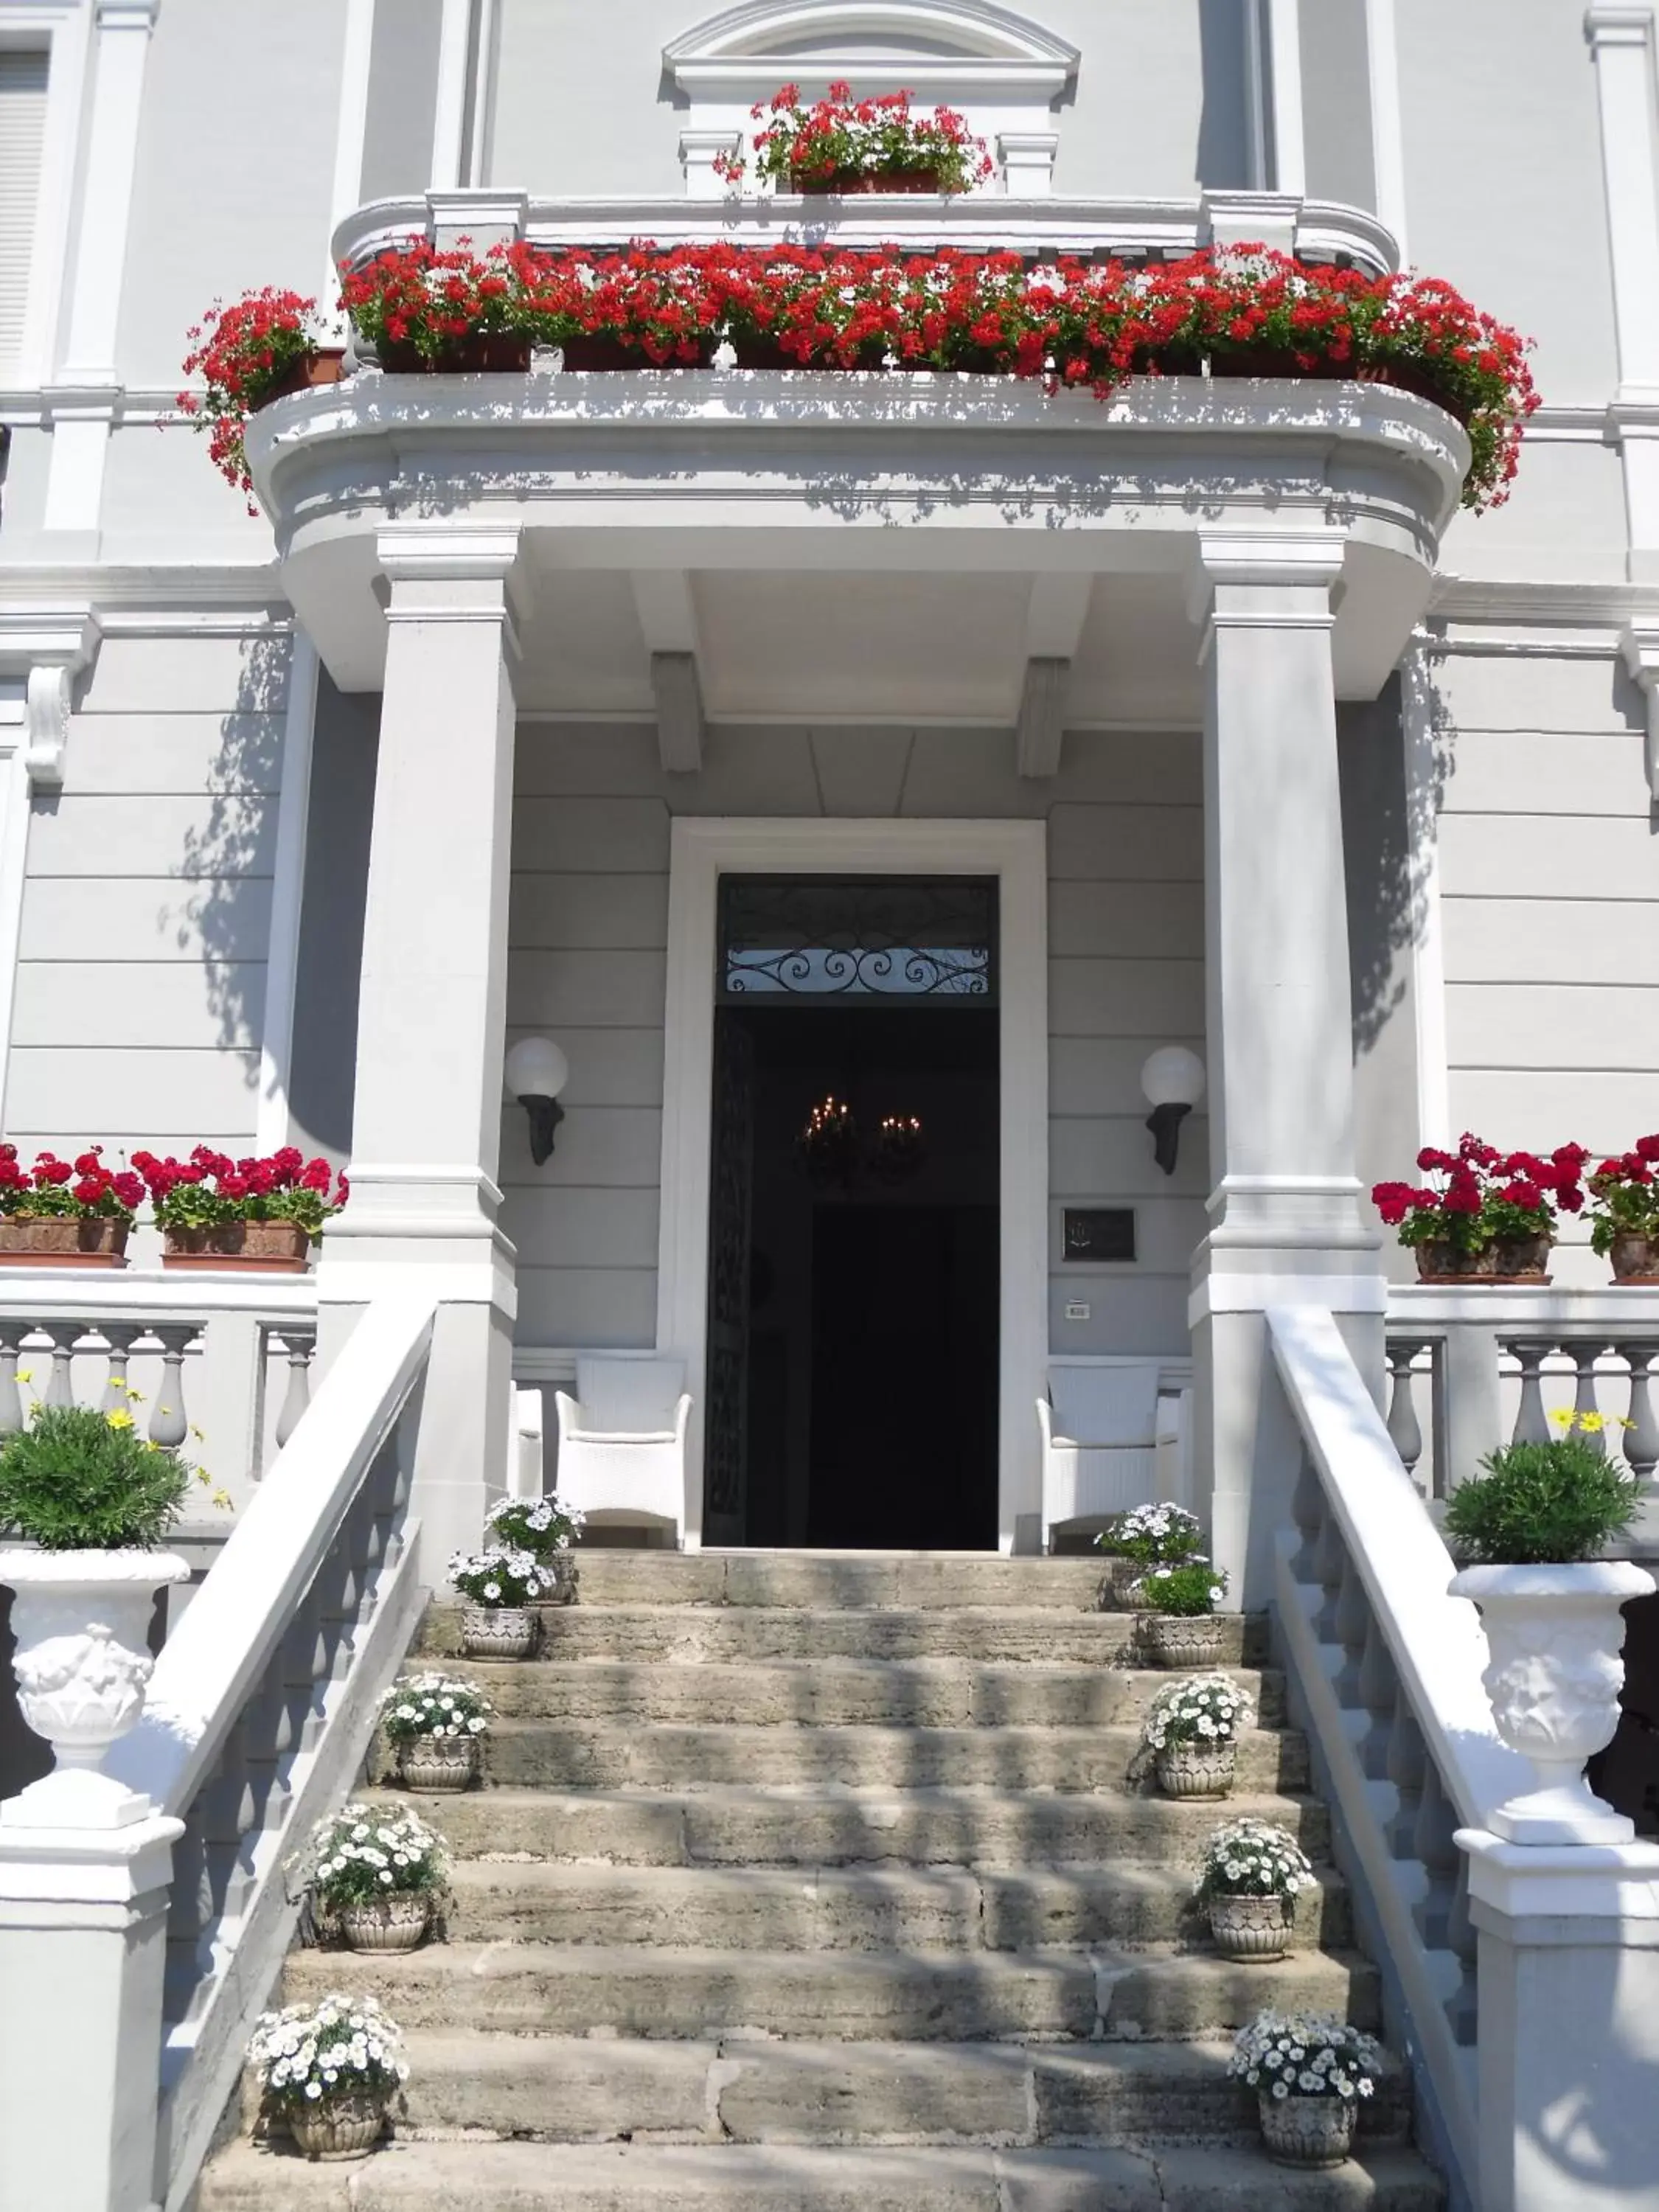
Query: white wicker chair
x=1105, y=1448
x=622, y=1441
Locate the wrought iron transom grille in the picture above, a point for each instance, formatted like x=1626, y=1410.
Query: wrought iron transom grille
x=915, y=938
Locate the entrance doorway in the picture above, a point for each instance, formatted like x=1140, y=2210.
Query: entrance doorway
x=854, y=1285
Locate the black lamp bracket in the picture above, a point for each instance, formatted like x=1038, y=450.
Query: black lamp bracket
x=545, y=1115
x=1164, y=1122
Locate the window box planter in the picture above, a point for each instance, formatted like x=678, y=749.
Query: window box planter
x=326, y=365
x=500, y=355
x=861, y=185
x=603, y=351
x=1505, y=1259
x=276, y=1248
x=61, y=1241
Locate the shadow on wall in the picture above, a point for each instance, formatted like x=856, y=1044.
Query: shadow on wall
x=1223, y=148
x=1387, y=822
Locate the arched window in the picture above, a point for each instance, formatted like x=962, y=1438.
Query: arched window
x=1004, y=72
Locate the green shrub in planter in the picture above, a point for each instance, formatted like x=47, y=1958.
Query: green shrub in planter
x=1540, y=1505
x=75, y=1481
x=1193, y=1588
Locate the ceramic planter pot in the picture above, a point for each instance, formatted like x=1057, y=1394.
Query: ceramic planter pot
x=386, y=1924
x=345, y=2126
x=1635, y=1257
x=325, y=365
x=61, y=1241
x=1117, y=1591
x=272, y=1247
x=1522, y=1259
x=1169, y=1639
x=500, y=1632
x=82, y=1663
x=1252, y=1927
x=1554, y=1635
x=439, y=1762
x=1307, y=2131
x=1195, y=1770
x=1439, y=1262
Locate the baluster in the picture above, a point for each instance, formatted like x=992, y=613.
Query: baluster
x=190, y=1910
x=119, y=1337
x=1531, y=1422
x=1378, y=1686
x=1584, y=1358
x=1431, y=1842
x=1307, y=1511
x=1405, y=1765
x=11, y=1403
x=297, y=1668
x=300, y=1345
x=60, y=1385
x=1405, y=1429
x=225, y=1817
x=358, y=1534
x=264, y=1725
x=401, y=1479
x=170, y=1422
x=1330, y=1560
x=1641, y=1438
x=1461, y=1937
x=1350, y=1618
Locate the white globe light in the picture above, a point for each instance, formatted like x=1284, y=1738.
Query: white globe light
x=536, y=1068
x=1172, y=1076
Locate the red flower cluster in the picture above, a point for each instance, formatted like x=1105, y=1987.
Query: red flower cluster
x=210, y=1188
x=1625, y=1189
x=74, y=1189
x=1481, y=1194
x=839, y=143
x=1077, y=323
x=241, y=351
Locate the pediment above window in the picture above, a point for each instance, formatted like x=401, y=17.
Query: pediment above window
x=1003, y=70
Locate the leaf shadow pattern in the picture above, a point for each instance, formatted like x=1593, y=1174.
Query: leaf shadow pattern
x=227, y=859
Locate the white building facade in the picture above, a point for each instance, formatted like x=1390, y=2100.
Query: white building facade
x=560, y=706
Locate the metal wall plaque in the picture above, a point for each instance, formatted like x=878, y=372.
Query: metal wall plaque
x=1100, y=1232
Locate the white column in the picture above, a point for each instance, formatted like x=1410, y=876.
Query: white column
x=449, y=111
x=1387, y=129
x=350, y=130
x=74, y=484
x=1284, y=91
x=426, y=1119
x=1286, y=1223
x=1621, y=39
x=1569, y=2046
x=1420, y=737
x=287, y=896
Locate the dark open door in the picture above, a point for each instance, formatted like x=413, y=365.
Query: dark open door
x=726, y=1451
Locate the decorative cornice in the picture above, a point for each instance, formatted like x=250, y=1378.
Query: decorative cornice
x=49, y=645
x=1617, y=23
x=967, y=47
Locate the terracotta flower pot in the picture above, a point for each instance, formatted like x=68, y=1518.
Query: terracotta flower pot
x=325, y=365
x=1522, y=1259
x=500, y=355
x=1315, y=2132
x=1171, y=1639
x=439, y=1763
x=858, y=187
x=386, y=1924
x=62, y=1240
x=1439, y=1262
x=1635, y=1257
x=347, y=2125
x=1196, y=1770
x=501, y=1631
x=276, y=1248
x=1251, y=1927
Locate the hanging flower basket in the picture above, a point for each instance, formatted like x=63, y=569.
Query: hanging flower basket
x=273, y=1248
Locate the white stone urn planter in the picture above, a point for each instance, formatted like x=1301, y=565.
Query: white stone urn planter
x=1554, y=1635
x=1252, y=1927
x=82, y=1663
x=1315, y=2132
x=500, y=1632
x=346, y=2125
x=398, y=1922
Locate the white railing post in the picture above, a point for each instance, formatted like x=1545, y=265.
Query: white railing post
x=83, y=1920
x=1569, y=2047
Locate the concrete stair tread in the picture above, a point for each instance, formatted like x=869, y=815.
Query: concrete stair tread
x=652, y=1990
x=521, y=2177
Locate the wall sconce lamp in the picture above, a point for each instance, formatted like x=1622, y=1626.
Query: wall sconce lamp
x=536, y=1071
x=1173, y=1082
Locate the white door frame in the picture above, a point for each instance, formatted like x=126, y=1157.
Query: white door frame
x=1016, y=854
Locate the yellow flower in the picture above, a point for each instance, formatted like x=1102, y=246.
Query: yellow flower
x=222, y=1498
x=197, y=1433
x=118, y=1420
x=26, y=1374
x=116, y=1383
x=1564, y=1415
x=1592, y=1422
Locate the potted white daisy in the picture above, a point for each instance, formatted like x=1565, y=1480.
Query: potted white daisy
x=435, y=1726
x=327, y=2072
x=1148, y=1536
x=374, y=1876
x=1252, y=1874
x=1180, y=1627
x=502, y=1585
x=1310, y=2072
x=546, y=1526
x=1191, y=1733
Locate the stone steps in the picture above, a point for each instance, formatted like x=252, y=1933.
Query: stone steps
x=943, y=1692
x=741, y=2090
x=614, y=1755
x=993, y=1634
x=825, y=1827
x=847, y=1908
x=523, y=2177
x=841, y=1582
x=529, y=1988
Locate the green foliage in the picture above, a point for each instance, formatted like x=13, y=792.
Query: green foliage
x=1193, y=1587
x=1540, y=1505
x=77, y=1480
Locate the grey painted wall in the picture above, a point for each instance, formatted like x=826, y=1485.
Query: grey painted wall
x=1336, y=103
x=403, y=97
x=146, y=902
x=339, y=818
x=590, y=904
